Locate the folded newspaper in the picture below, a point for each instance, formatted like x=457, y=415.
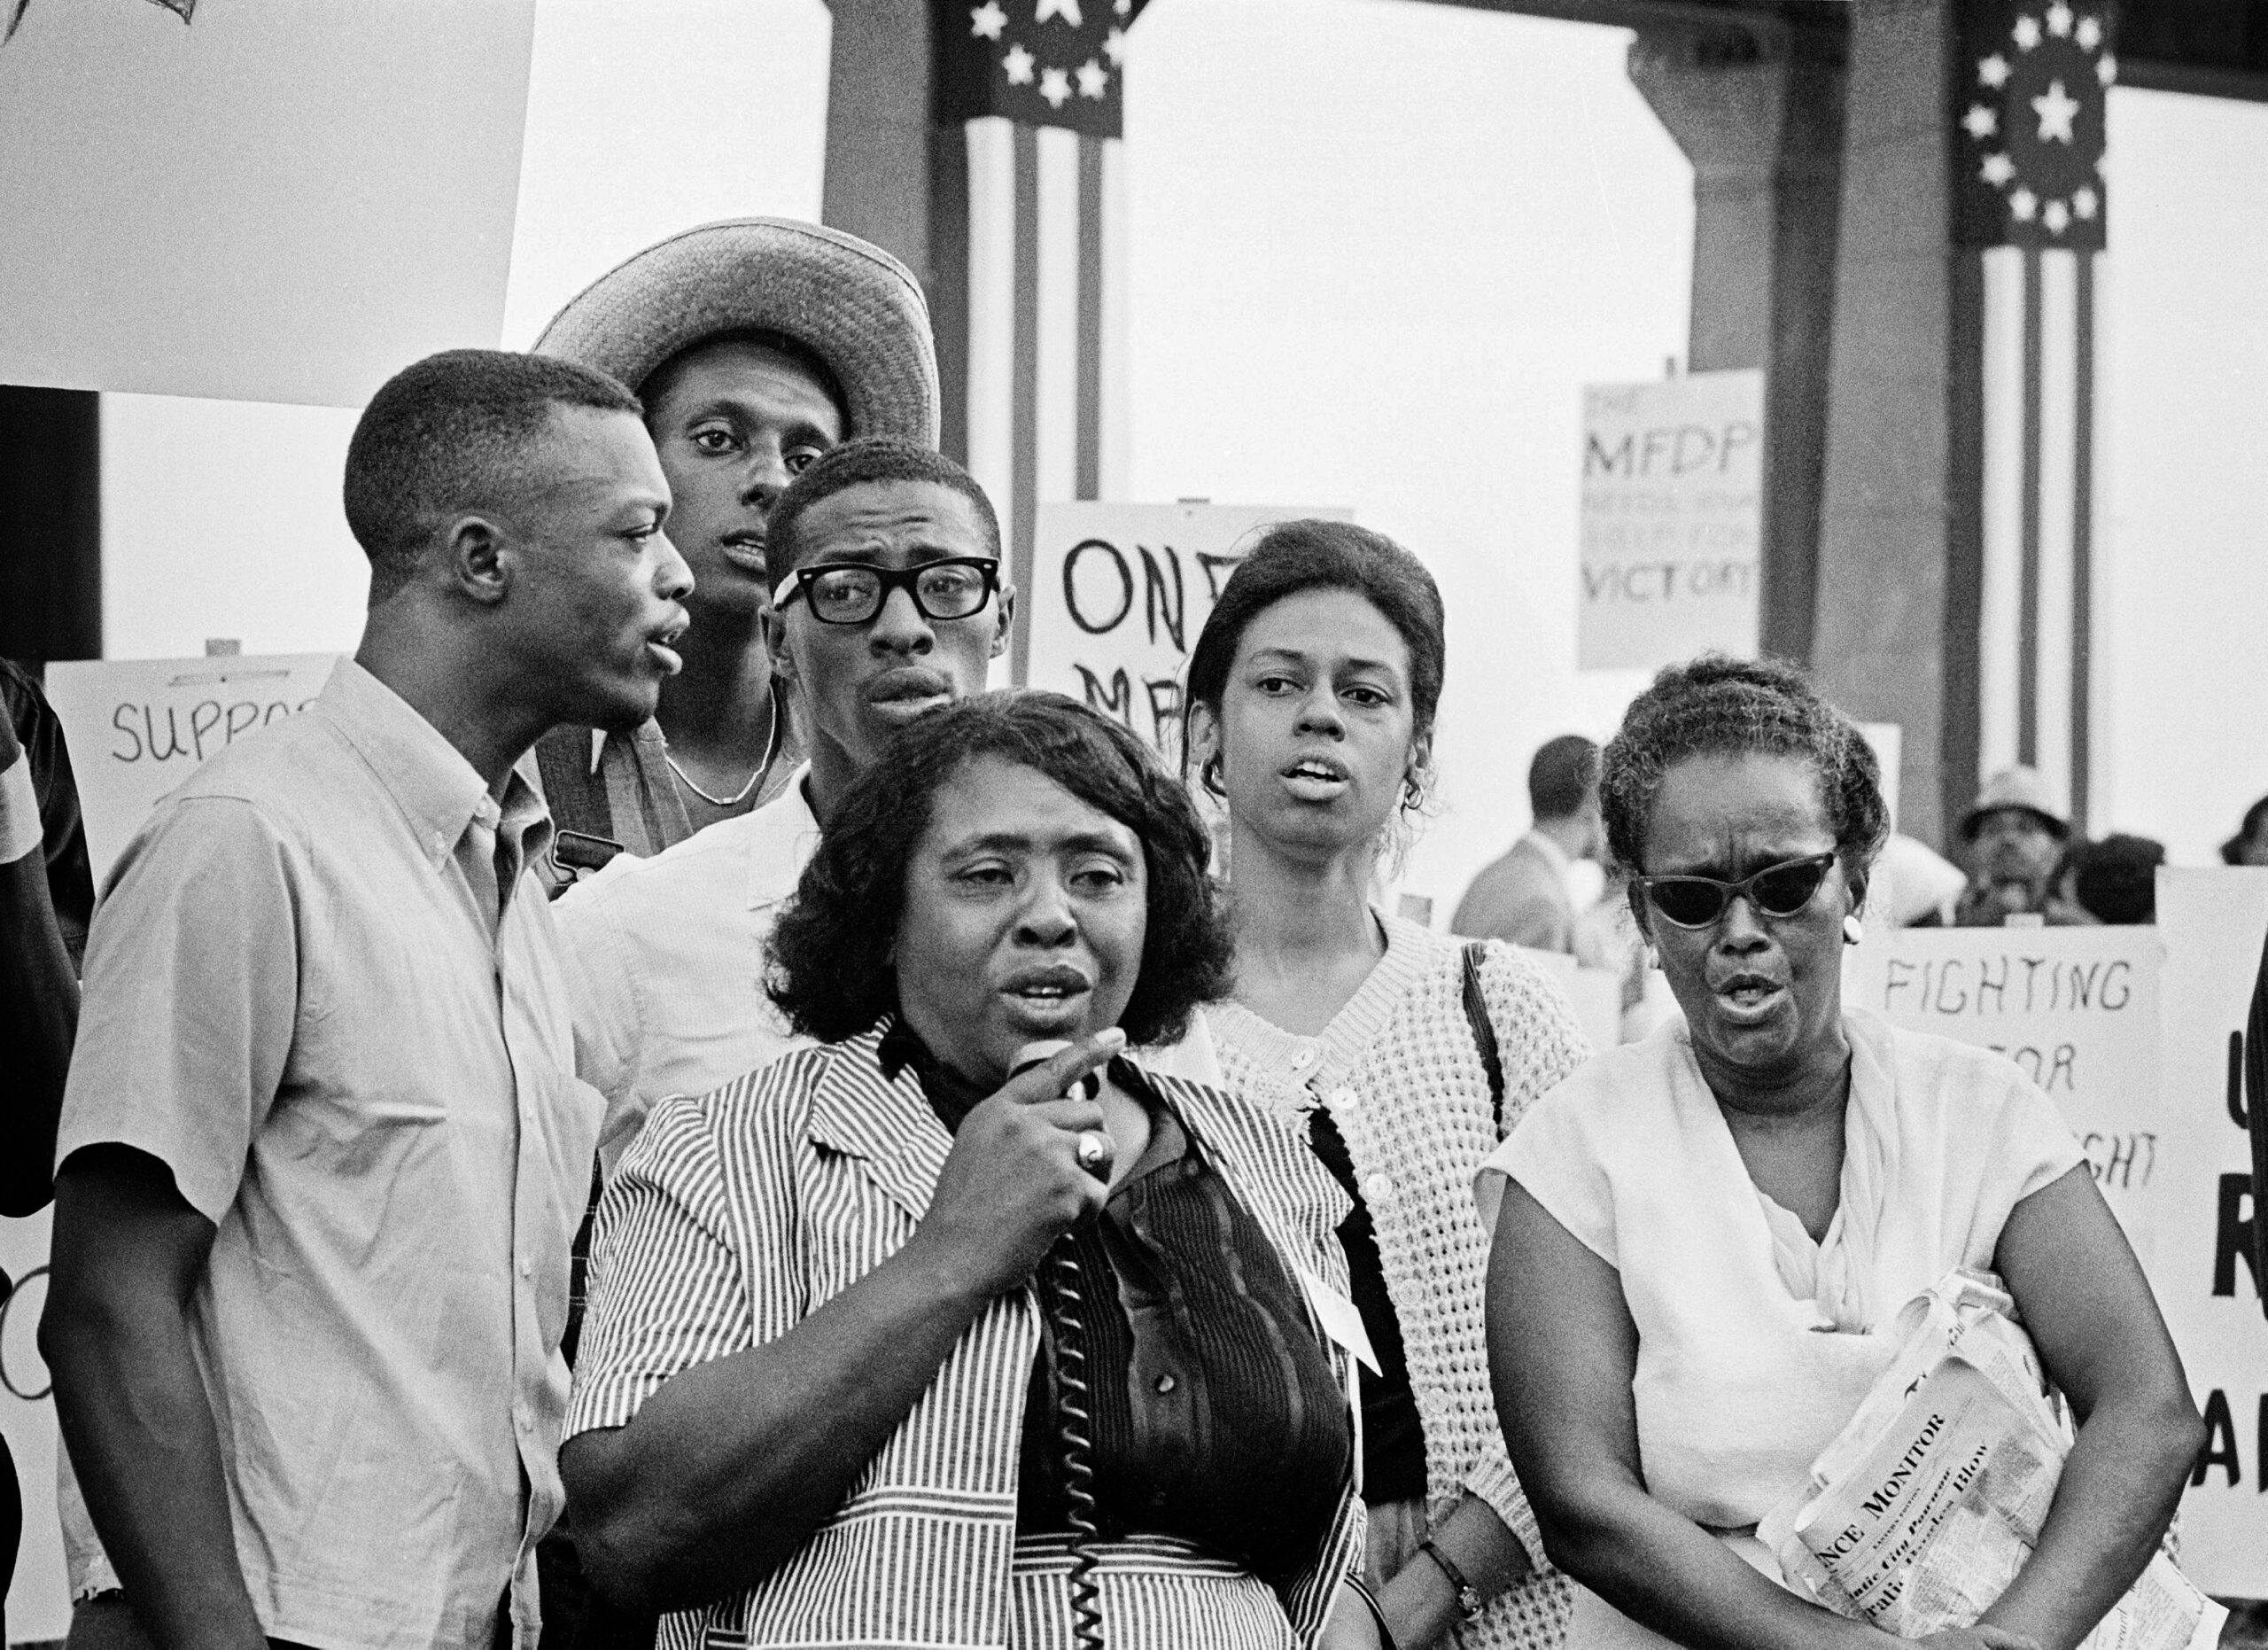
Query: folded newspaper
x=1920, y=1512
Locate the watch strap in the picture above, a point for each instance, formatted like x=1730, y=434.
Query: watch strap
x=1468, y=1601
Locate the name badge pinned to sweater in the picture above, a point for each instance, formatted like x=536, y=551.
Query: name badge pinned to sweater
x=1340, y=1319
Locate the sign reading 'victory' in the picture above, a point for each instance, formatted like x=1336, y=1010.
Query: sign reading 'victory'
x=1672, y=477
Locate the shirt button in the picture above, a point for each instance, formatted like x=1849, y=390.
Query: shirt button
x=1377, y=1189
x=1302, y=1060
x=527, y=1269
x=1345, y=1099
x=1166, y=1383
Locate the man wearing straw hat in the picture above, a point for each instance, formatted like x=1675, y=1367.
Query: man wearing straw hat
x=2014, y=832
x=757, y=344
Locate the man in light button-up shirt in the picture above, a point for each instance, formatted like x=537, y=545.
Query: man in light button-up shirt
x=323, y=1151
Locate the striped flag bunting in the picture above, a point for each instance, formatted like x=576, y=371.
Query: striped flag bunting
x=1028, y=243
x=2029, y=96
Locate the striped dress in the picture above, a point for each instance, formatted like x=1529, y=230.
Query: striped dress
x=738, y=1213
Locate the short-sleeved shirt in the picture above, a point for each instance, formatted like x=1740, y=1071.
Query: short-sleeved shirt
x=736, y=1215
x=1740, y=1381
x=665, y=960
x=323, y=989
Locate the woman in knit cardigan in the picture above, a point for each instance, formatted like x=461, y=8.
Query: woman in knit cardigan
x=1311, y=694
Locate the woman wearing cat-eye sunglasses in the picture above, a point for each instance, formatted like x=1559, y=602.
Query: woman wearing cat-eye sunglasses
x=1702, y=1241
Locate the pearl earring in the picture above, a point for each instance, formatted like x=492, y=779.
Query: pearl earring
x=1853, y=930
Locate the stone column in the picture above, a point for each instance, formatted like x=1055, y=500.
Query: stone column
x=1758, y=109
x=878, y=124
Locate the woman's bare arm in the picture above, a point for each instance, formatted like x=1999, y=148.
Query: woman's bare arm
x=2091, y=1314
x=1563, y=1352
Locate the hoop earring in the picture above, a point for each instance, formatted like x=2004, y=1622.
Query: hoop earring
x=1208, y=776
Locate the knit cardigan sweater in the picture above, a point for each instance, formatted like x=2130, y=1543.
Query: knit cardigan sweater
x=1402, y=1079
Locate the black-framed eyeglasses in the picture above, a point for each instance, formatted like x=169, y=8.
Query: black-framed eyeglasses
x=1780, y=890
x=852, y=593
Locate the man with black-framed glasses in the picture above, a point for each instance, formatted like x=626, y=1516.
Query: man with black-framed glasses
x=889, y=601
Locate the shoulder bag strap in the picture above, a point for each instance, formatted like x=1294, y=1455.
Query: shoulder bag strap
x=1484, y=1033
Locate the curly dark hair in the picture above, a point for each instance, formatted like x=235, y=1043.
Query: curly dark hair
x=1716, y=705
x=1292, y=557
x=829, y=952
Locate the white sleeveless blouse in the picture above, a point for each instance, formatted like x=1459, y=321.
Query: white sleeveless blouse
x=1755, y=1345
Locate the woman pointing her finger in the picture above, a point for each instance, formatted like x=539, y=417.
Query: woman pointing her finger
x=928, y=1335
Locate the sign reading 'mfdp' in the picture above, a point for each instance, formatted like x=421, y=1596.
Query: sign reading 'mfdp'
x=1673, y=475
x=1118, y=596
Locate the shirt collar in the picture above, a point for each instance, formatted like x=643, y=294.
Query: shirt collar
x=439, y=793
x=781, y=837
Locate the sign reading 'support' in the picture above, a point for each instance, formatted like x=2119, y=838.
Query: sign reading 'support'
x=138, y=727
x=1673, y=475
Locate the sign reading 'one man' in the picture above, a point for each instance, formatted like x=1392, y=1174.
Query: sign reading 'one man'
x=1672, y=479
x=1118, y=596
x=138, y=727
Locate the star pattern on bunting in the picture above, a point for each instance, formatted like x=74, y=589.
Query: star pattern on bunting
x=181, y=8
x=2033, y=125
x=1040, y=62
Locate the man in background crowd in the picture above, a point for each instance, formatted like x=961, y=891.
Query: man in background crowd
x=45, y=899
x=2249, y=845
x=890, y=602
x=323, y=1150
x=2014, y=832
x=756, y=345
x=1523, y=897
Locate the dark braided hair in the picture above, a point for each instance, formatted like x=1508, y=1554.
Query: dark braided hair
x=830, y=969
x=1720, y=706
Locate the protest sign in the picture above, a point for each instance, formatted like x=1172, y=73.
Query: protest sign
x=1672, y=474
x=2205, y=1275
x=1116, y=597
x=264, y=201
x=2076, y=1008
x=138, y=727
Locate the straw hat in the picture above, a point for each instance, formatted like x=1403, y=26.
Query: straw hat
x=2026, y=788
x=851, y=304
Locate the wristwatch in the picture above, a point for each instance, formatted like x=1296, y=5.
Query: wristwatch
x=1468, y=1601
